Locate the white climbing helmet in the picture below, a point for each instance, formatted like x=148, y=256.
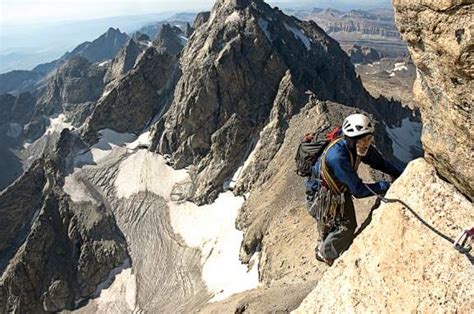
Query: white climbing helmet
x=356, y=125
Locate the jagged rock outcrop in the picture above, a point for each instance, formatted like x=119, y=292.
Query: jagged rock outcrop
x=398, y=263
x=363, y=54
x=77, y=81
x=188, y=31
x=249, y=66
x=123, y=61
x=103, y=48
x=144, y=92
x=16, y=111
x=170, y=40
x=53, y=252
x=444, y=84
x=138, y=36
x=201, y=18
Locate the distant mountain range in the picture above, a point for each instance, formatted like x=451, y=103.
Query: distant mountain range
x=24, y=47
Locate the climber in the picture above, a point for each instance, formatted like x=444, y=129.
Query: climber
x=334, y=181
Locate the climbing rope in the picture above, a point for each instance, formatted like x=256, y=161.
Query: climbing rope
x=459, y=244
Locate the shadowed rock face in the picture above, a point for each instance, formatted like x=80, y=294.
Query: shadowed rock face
x=53, y=251
x=170, y=40
x=123, y=62
x=77, y=81
x=248, y=66
x=444, y=84
x=138, y=97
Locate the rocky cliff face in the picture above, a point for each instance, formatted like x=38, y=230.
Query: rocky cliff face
x=53, y=252
x=444, y=84
x=241, y=49
x=145, y=91
x=77, y=81
x=102, y=48
x=170, y=40
x=398, y=263
x=123, y=61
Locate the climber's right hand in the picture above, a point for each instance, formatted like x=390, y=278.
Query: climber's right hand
x=384, y=186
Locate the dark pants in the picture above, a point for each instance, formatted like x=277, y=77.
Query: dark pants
x=337, y=238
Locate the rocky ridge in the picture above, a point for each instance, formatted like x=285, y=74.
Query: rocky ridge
x=221, y=94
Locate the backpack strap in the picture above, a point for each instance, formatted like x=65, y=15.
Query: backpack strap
x=326, y=175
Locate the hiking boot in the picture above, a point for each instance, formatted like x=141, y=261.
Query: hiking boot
x=320, y=258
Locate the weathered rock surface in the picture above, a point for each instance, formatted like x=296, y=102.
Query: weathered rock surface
x=77, y=81
x=123, y=61
x=397, y=263
x=15, y=112
x=53, y=251
x=439, y=35
x=170, y=40
x=138, y=97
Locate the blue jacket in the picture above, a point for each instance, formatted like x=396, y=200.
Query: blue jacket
x=339, y=164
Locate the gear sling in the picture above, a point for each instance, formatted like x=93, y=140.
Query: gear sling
x=329, y=200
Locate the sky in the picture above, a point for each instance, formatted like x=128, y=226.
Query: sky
x=23, y=12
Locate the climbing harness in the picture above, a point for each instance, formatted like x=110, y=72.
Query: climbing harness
x=461, y=244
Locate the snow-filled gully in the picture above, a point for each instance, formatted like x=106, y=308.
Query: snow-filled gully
x=182, y=255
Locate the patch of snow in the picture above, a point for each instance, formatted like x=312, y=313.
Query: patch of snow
x=77, y=190
x=298, y=33
x=143, y=140
x=118, y=295
x=400, y=66
x=108, y=139
x=392, y=74
x=370, y=65
x=149, y=43
x=233, y=18
x=58, y=124
x=264, y=26
x=14, y=130
x=356, y=65
x=146, y=171
x=183, y=40
x=104, y=63
x=105, y=93
x=211, y=228
x=405, y=139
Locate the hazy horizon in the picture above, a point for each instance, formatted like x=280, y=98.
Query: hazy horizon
x=31, y=34
x=27, y=12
